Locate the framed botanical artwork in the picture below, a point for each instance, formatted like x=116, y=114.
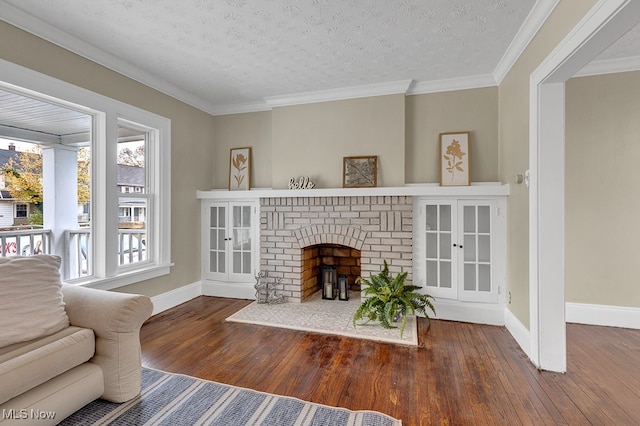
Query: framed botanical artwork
x=454, y=159
x=239, y=169
x=360, y=172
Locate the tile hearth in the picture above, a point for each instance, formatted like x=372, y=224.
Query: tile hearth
x=324, y=316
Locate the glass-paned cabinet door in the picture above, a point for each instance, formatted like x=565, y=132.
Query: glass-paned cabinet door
x=241, y=239
x=215, y=243
x=440, y=256
x=228, y=242
x=475, y=269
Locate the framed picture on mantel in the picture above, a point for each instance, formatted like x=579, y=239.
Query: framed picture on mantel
x=454, y=159
x=360, y=172
x=239, y=169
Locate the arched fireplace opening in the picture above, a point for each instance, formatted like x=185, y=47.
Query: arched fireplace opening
x=345, y=260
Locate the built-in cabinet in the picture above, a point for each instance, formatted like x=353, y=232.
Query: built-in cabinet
x=458, y=238
x=230, y=247
x=459, y=256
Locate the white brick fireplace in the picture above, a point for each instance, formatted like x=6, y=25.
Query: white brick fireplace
x=379, y=227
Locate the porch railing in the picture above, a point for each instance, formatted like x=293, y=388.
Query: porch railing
x=131, y=249
x=77, y=242
x=132, y=245
x=24, y=242
x=77, y=259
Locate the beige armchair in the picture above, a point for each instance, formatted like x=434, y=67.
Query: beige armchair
x=63, y=345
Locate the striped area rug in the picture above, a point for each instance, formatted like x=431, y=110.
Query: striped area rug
x=175, y=399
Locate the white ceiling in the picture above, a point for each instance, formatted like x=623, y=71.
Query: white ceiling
x=217, y=53
x=239, y=55
x=628, y=46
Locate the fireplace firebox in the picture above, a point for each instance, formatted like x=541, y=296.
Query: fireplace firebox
x=334, y=263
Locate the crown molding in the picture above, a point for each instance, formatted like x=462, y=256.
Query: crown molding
x=610, y=66
x=240, y=108
x=29, y=23
x=532, y=24
x=365, y=91
x=408, y=87
x=448, y=85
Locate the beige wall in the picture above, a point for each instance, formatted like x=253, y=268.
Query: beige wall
x=191, y=150
x=243, y=130
x=602, y=196
x=514, y=145
x=311, y=140
x=474, y=110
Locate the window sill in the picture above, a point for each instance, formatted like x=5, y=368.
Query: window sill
x=125, y=278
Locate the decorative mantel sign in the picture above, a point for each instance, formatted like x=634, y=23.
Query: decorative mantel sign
x=303, y=183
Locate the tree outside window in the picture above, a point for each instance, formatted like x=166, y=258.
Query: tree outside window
x=23, y=180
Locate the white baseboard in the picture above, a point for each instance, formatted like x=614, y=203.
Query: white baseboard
x=518, y=331
x=605, y=315
x=172, y=298
x=477, y=313
x=175, y=297
x=232, y=290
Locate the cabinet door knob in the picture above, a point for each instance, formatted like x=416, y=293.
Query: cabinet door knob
x=455, y=245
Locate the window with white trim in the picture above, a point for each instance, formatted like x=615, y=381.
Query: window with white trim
x=100, y=250
x=133, y=144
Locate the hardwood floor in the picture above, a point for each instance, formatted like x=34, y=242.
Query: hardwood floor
x=462, y=373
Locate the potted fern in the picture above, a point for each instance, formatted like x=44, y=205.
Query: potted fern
x=389, y=300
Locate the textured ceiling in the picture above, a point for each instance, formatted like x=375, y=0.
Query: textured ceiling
x=239, y=51
x=627, y=46
x=217, y=53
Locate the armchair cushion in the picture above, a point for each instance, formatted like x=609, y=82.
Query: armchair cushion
x=30, y=298
x=25, y=365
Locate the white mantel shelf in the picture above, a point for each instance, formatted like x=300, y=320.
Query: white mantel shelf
x=488, y=189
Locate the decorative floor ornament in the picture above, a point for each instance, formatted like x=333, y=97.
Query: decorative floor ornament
x=324, y=316
x=267, y=292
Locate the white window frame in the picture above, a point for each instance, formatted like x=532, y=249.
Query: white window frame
x=150, y=146
x=106, y=113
